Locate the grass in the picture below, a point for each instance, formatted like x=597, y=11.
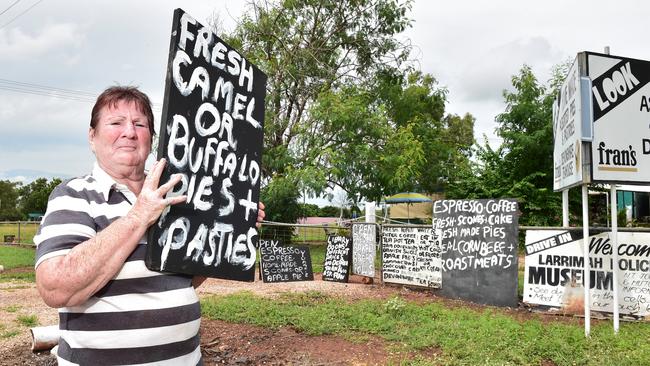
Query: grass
x=12, y=308
x=464, y=336
x=27, y=230
x=14, y=256
x=317, y=254
x=20, y=276
x=4, y=333
x=27, y=320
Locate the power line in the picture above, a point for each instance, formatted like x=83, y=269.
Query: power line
x=10, y=6
x=54, y=92
x=21, y=14
x=42, y=90
x=35, y=89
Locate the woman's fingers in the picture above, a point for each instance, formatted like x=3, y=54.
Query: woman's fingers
x=153, y=178
x=173, y=180
x=175, y=200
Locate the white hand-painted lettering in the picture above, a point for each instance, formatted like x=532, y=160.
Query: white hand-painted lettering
x=225, y=193
x=205, y=189
x=203, y=40
x=178, y=138
x=173, y=241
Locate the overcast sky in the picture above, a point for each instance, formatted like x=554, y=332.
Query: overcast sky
x=472, y=48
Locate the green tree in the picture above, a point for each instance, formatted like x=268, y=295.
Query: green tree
x=9, y=200
x=391, y=136
x=414, y=101
x=309, y=210
x=344, y=108
x=309, y=48
x=329, y=211
x=34, y=196
x=522, y=166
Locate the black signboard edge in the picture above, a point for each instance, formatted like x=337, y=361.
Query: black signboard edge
x=162, y=133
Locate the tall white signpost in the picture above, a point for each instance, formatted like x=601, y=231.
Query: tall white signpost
x=604, y=100
x=620, y=150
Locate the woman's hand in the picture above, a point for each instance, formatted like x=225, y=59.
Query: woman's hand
x=151, y=201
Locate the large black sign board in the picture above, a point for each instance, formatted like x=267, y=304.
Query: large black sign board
x=411, y=256
x=364, y=249
x=337, y=258
x=479, y=249
x=211, y=133
x=279, y=263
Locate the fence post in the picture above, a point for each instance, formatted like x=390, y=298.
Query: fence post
x=18, y=232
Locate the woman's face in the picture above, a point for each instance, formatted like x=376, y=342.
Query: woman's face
x=121, y=139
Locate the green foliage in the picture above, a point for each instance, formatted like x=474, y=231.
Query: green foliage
x=9, y=201
x=16, y=201
x=344, y=108
x=464, y=336
x=621, y=217
x=522, y=167
x=27, y=320
x=34, y=196
x=280, y=199
x=330, y=211
x=309, y=210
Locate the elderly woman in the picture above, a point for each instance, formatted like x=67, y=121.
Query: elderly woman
x=91, y=248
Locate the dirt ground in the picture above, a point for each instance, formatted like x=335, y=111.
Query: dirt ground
x=240, y=344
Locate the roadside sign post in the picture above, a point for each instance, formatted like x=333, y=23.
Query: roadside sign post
x=601, y=135
x=621, y=147
x=614, y=238
x=585, y=241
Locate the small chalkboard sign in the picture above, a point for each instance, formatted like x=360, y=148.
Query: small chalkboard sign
x=364, y=249
x=479, y=249
x=411, y=256
x=279, y=263
x=211, y=133
x=337, y=258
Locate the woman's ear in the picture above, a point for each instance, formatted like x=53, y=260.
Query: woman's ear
x=91, y=139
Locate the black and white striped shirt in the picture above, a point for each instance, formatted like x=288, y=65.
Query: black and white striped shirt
x=140, y=317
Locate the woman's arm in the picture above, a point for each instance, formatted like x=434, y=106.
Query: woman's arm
x=71, y=279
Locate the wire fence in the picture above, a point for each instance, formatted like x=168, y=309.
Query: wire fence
x=314, y=233
x=18, y=232
x=23, y=232
x=301, y=233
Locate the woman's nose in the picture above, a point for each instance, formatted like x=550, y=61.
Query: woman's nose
x=129, y=129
